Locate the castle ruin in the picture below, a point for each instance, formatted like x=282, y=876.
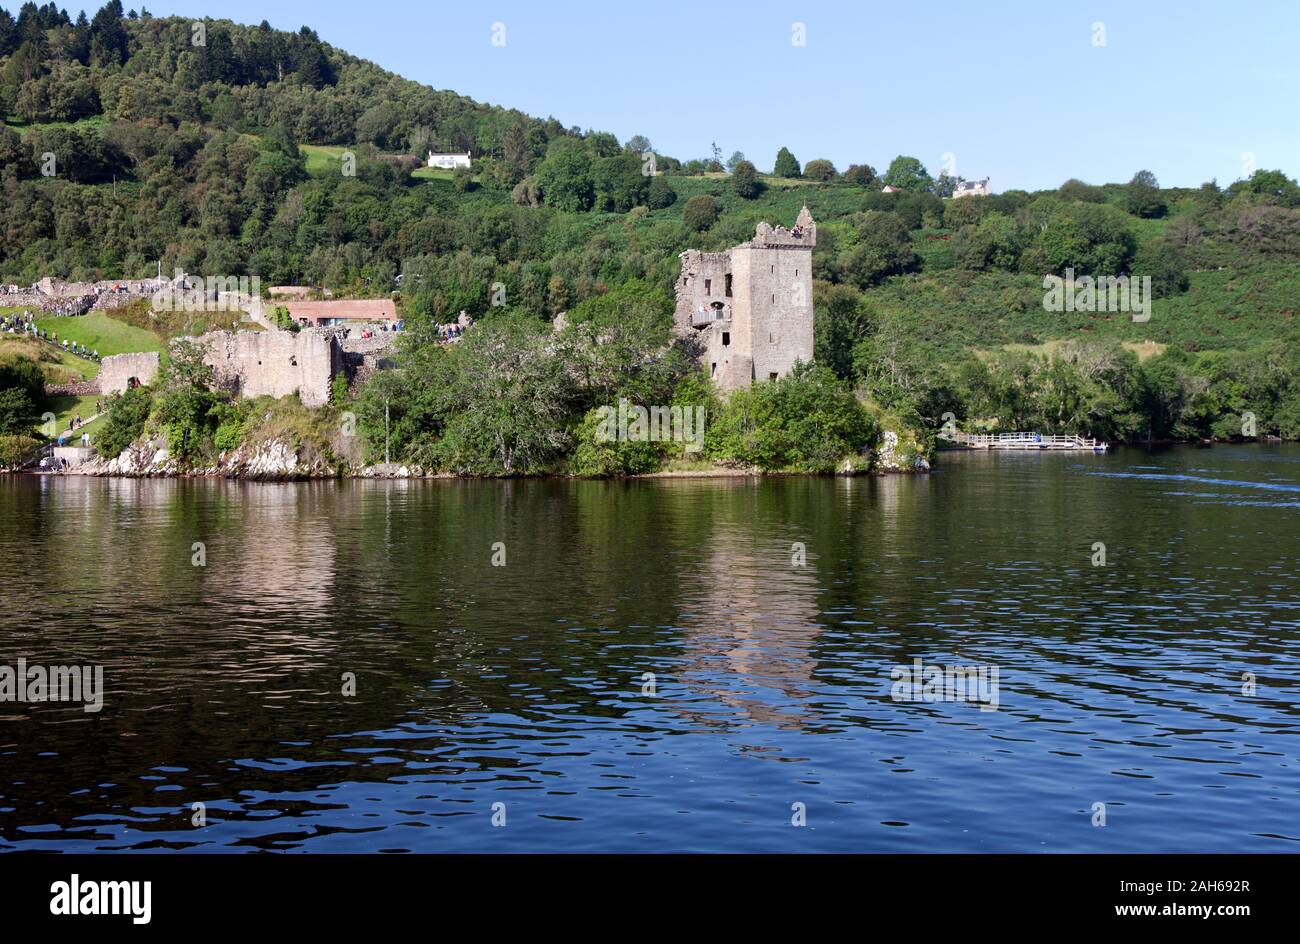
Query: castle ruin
x=751, y=306
x=274, y=363
x=119, y=372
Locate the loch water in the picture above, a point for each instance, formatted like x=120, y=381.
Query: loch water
x=660, y=665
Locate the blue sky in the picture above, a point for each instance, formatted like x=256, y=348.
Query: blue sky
x=1016, y=91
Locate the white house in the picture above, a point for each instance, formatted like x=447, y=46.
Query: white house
x=972, y=188
x=449, y=161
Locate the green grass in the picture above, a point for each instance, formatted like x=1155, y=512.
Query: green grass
x=58, y=366
x=94, y=121
x=98, y=332
x=952, y=311
x=433, y=173
x=65, y=408
x=322, y=158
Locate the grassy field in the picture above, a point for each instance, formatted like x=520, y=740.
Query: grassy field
x=99, y=332
x=21, y=126
x=322, y=158
x=432, y=173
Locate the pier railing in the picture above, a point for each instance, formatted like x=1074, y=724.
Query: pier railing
x=1021, y=440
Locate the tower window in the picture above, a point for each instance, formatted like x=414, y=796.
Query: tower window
x=713, y=369
x=728, y=283
x=708, y=286
x=772, y=376
x=726, y=339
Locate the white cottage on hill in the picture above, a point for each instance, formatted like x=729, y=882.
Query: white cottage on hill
x=449, y=161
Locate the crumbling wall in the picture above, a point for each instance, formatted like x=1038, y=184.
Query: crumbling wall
x=115, y=372
x=702, y=285
x=274, y=363
x=751, y=306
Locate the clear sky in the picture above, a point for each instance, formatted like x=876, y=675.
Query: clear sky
x=1020, y=92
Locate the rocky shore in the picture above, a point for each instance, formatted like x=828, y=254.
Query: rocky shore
x=280, y=461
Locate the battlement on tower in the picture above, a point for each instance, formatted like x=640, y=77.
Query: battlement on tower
x=803, y=235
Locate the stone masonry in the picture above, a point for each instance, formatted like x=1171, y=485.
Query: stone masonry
x=275, y=363
x=751, y=306
x=115, y=372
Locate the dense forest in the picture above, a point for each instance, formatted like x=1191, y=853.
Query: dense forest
x=218, y=148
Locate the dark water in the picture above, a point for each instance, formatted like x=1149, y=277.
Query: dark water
x=523, y=684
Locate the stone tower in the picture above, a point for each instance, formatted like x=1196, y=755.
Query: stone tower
x=751, y=306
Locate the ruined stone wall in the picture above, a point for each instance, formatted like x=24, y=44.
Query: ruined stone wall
x=702, y=284
x=115, y=372
x=274, y=363
x=765, y=324
x=778, y=287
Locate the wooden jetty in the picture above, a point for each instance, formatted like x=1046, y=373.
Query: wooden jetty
x=1023, y=441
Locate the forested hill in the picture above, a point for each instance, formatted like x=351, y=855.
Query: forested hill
x=134, y=67
x=200, y=132
x=231, y=157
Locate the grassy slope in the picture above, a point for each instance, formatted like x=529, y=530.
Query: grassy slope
x=952, y=310
x=322, y=158
x=58, y=367
x=65, y=408
x=101, y=333
x=22, y=127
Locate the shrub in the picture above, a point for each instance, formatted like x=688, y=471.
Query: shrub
x=806, y=421
x=127, y=414
x=15, y=449
x=745, y=182
x=598, y=456
x=661, y=194
x=699, y=213
x=819, y=169
x=339, y=389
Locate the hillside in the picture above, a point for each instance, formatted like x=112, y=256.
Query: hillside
x=229, y=158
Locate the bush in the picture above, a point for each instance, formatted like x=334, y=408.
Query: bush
x=807, y=421
x=1166, y=266
x=699, y=213
x=284, y=321
x=661, y=194
x=228, y=435
x=127, y=414
x=15, y=449
x=745, y=182
x=339, y=389
x=599, y=456
x=819, y=169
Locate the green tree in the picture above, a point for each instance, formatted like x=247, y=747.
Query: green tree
x=1142, y=195
x=661, y=194
x=619, y=183
x=699, y=213
x=908, y=173
x=127, y=414
x=862, y=175
x=745, y=182
x=565, y=176
x=820, y=169
x=786, y=165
